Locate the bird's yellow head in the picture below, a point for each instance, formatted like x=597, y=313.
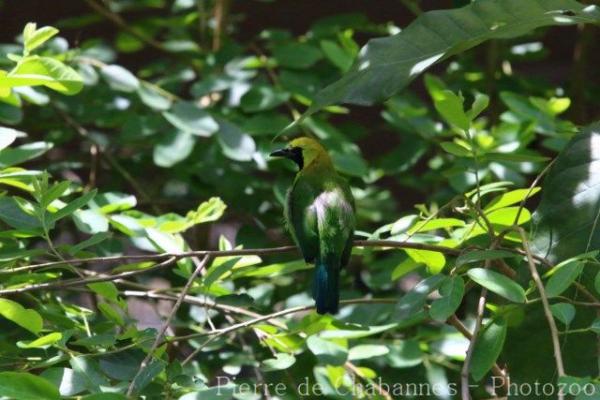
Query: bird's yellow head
x=305, y=152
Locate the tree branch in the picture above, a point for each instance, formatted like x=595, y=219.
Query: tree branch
x=384, y=244
x=201, y=265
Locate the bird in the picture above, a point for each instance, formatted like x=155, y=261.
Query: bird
x=320, y=215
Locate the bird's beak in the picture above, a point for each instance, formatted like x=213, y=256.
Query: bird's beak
x=285, y=152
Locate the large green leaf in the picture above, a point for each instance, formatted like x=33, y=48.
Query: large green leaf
x=71, y=207
x=566, y=221
x=498, y=284
x=414, y=301
x=34, y=38
x=22, y=385
x=34, y=71
x=451, y=291
x=7, y=136
x=16, y=155
x=25, y=317
x=13, y=214
x=327, y=351
x=386, y=65
x=189, y=118
x=487, y=348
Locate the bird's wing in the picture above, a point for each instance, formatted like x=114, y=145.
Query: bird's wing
x=335, y=222
x=301, y=219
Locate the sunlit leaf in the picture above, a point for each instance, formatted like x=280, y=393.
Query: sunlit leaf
x=498, y=284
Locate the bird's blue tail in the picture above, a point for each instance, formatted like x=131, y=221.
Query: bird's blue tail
x=326, y=288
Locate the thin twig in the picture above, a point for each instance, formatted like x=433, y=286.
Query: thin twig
x=352, y=368
x=467, y=364
x=277, y=314
x=122, y=24
x=531, y=187
x=384, y=244
x=547, y=312
x=167, y=322
x=496, y=370
x=85, y=281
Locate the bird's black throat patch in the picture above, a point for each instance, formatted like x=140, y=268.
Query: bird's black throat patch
x=295, y=154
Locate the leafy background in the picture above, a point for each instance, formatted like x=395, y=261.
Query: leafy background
x=136, y=131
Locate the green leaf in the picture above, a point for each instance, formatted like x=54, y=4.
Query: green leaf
x=173, y=148
x=414, y=301
x=456, y=149
x=212, y=393
x=90, y=372
x=41, y=342
x=7, y=136
x=191, y=119
x=105, y=396
x=597, y=282
x=71, y=207
x=35, y=70
x=262, y=97
x=26, y=318
x=434, y=261
x=122, y=365
x=108, y=290
x=280, y=362
x=405, y=354
x=386, y=65
x=208, y=211
x=25, y=386
x=510, y=198
x=90, y=221
x=357, y=333
x=570, y=189
x=480, y=103
x=65, y=379
x=482, y=255
x=487, y=348
x=563, y=277
x=111, y=202
x=513, y=157
x=327, y=351
x=450, y=107
x=364, y=351
x=595, y=327
x=111, y=313
x=498, y=283
x=37, y=37
x=433, y=224
x=564, y=312
x=452, y=291
x=506, y=216
x=296, y=55
x=53, y=193
x=148, y=373
x=153, y=98
x=119, y=78
x=17, y=155
x=235, y=144
x=12, y=214
x=337, y=55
